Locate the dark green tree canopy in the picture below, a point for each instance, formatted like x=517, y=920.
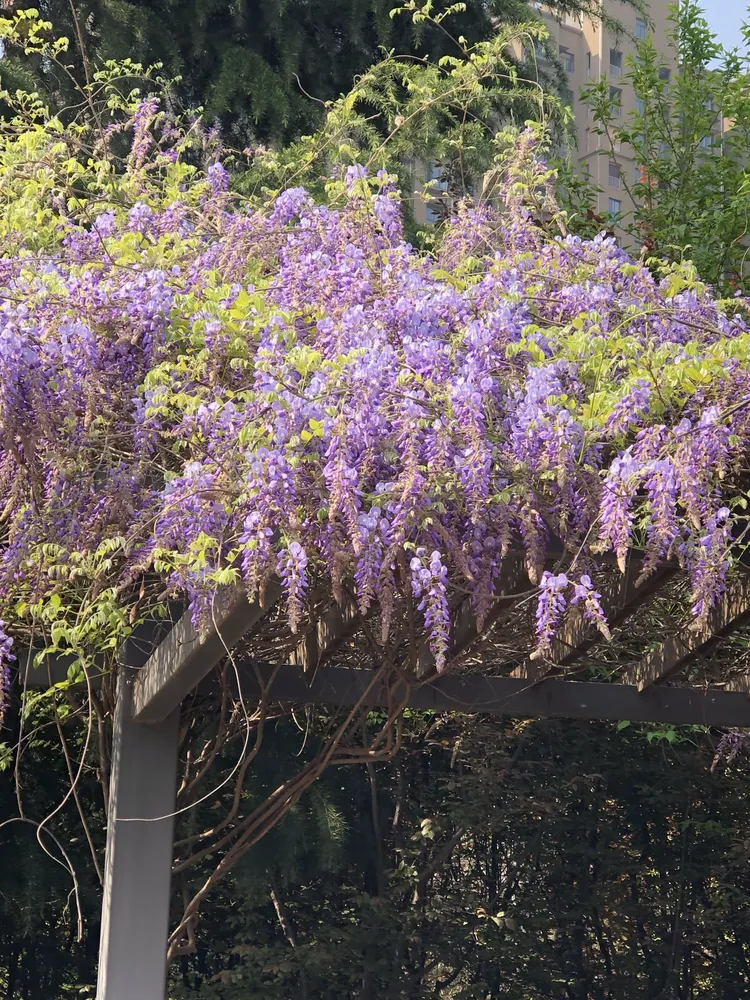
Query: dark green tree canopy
x=261, y=68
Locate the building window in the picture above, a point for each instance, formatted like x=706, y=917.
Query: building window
x=615, y=206
x=588, y=64
x=665, y=73
x=435, y=172
x=663, y=148
x=640, y=105
x=433, y=215
x=615, y=62
x=568, y=59
x=707, y=142
x=615, y=102
x=614, y=175
x=641, y=28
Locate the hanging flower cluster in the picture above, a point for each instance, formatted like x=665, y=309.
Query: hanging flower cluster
x=6, y=658
x=196, y=395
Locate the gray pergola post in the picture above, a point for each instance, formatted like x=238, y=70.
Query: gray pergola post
x=143, y=780
x=138, y=866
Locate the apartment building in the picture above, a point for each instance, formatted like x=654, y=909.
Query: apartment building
x=591, y=52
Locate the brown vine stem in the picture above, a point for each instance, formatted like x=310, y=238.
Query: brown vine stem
x=67, y=864
x=266, y=816
x=289, y=933
x=293, y=791
x=77, y=798
x=248, y=759
x=104, y=759
x=216, y=744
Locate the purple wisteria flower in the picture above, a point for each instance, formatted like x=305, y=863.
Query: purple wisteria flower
x=429, y=577
x=661, y=483
x=730, y=746
x=616, y=505
x=374, y=537
x=218, y=178
x=141, y=217
x=631, y=409
x=6, y=658
x=550, y=609
x=258, y=390
x=589, y=600
x=142, y=135
x=709, y=563
x=353, y=175
x=292, y=570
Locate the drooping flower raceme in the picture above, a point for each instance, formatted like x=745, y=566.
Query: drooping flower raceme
x=429, y=578
x=6, y=658
x=618, y=493
x=589, y=600
x=292, y=570
x=550, y=610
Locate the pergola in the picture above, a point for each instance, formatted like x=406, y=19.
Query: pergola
x=161, y=665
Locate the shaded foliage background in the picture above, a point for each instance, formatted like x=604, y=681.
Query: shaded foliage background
x=533, y=860
x=491, y=859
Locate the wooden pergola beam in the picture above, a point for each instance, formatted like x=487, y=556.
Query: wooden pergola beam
x=325, y=634
x=731, y=611
x=476, y=693
x=622, y=595
x=184, y=657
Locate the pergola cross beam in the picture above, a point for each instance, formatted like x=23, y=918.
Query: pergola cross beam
x=181, y=660
x=731, y=611
x=512, y=696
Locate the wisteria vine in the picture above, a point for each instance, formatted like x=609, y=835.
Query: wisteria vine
x=198, y=394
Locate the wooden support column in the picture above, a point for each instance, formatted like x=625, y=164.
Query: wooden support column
x=137, y=875
x=151, y=686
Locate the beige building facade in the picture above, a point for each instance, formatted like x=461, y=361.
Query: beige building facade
x=590, y=52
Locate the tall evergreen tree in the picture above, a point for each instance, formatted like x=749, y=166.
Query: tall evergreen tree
x=261, y=68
